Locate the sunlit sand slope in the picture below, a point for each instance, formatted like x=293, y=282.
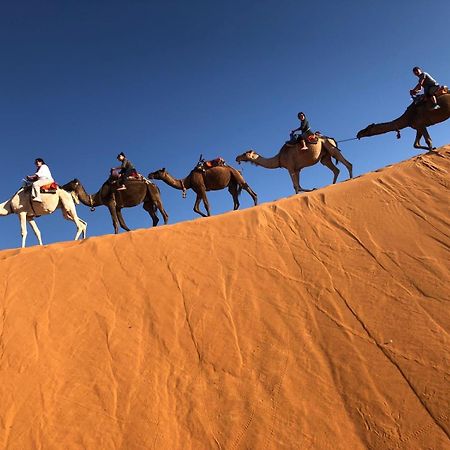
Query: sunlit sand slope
x=320, y=321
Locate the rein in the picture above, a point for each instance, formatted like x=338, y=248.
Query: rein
x=346, y=140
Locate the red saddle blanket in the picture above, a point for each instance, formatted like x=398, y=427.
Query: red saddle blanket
x=313, y=138
x=214, y=163
x=50, y=188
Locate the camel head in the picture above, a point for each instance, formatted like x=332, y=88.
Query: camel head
x=248, y=156
x=158, y=174
x=365, y=132
x=73, y=187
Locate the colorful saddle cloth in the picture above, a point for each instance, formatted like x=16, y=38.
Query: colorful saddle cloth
x=49, y=188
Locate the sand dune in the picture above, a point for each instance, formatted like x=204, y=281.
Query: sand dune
x=320, y=321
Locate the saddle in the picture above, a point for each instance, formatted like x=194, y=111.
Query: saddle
x=134, y=175
x=310, y=139
x=47, y=189
x=203, y=165
x=418, y=99
x=313, y=138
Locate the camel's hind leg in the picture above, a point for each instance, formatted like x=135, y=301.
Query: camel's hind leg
x=121, y=220
x=250, y=191
x=334, y=151
x=243, y=185
x=35, y=228
x=326, y=161
x=233, y=190
x=151, y=209
x=156, y=202
x=71, y=214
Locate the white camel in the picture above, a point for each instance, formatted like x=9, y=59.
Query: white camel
x=27, y=210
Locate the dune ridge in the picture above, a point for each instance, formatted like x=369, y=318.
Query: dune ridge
x=316, y=321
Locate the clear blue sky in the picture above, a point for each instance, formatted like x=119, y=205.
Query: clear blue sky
x=166, y=81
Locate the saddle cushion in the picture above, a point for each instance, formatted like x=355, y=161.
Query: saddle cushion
x=49, y=188
x=214, y=163
x=312, y=139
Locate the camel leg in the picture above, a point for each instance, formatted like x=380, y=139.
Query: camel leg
x=428, y=140
x=197, y=205
x=251, y=192
x=206, y=203
x=338, y=156
x=419, y=134
x=156, y=203
x=122, y=223
x=36, y=230
x=23, y=227
x=150, y=208
x=160, y=207
x=71, y=214
x=232, y=189
x=115, y=220
x=327, y=162
x=295, y=176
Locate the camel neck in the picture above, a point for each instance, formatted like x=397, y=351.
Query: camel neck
x=87, y=199
x=268, y=163
x=176, y=183
x=397, y=124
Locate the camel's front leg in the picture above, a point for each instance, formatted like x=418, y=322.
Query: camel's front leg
x=419, y=134
x=295, y=176
x=23, y=227
x=36, y=230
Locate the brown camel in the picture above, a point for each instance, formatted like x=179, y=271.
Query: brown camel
x=136, y=192
x=417, y=116
x=293, y=159
x=213, y=179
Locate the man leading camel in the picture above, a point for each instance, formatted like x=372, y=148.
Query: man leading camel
x=42, y=177
x=429, y=85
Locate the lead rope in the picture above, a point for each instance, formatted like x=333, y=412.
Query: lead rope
x=91, y=202
x=183, y=189
x=346, y=140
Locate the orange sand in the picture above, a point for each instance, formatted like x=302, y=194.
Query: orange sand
x=320, y=321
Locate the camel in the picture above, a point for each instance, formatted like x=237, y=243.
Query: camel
x=417, y=116
x=27, y=210
x=213, y=179
x=293, y=159
x=136, y=192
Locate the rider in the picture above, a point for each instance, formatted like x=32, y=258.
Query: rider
x=428, y=83
x=305, y=131
x=126, y=169
x=42, y=177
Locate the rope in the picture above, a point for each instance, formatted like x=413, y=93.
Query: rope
x=346, y=140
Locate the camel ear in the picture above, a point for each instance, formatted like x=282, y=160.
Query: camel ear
x=163, y=169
